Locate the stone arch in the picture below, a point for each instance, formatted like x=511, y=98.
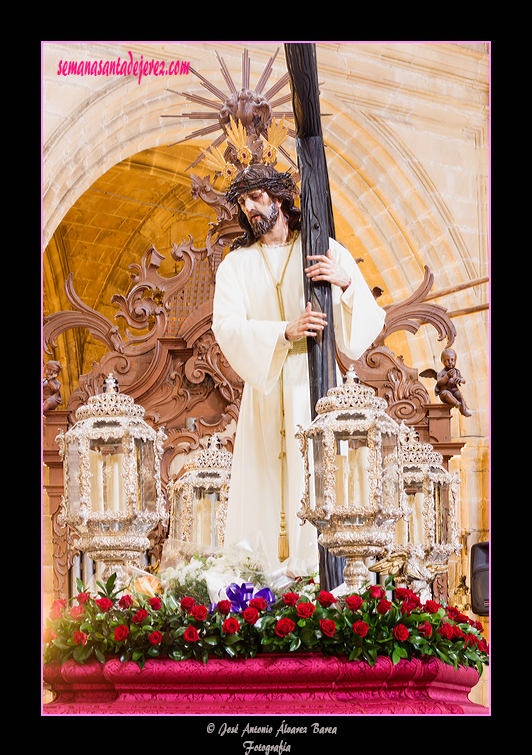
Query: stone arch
x=401, y=224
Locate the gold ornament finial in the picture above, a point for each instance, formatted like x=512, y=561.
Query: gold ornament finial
x=238, y=138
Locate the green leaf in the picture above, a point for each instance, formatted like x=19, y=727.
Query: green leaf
x=81, y=653
x=211, y=639
x=296, y=642
x=61, y=644
x=231, y=639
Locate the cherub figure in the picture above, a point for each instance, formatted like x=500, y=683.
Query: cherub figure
x=448, y=381
x=51, y=388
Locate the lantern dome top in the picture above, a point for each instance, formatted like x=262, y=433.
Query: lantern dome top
x=110, y=403
x=413, y=452
x=212, y=457
x=350, y=395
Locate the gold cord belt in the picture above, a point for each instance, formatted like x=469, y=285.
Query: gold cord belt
x=299, y=347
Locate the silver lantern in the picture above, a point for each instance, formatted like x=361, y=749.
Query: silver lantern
x=199, y=497
x=353, y=493
x=427, y=535
x=113, y=495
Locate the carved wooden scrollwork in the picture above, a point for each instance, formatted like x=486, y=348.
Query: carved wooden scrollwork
x=410, y=314
x=394, y=381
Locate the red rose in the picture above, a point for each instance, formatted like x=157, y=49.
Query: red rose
x=191, y=634
x=361, y=628
x=446, y=631
x=49, y=635
x=425, y=630
x=258, y=603
x=304, y=610
x=121, y=632
x=455, y=615
x=483, y=645
x=56, y=609
x=155, y=637
x=104, y=604
x=383, y=606
x=401, y=632
x=80, y=638
x=187, y=603
x=354, y=602
x=326, y=599
x=250, y=615
x=76, y=612
x=224, y=606
x=284, y=627
x=409, y=605
x=403, y=593
x=82, y=597
x=125, y=601
x=199, y=613
x=376, y=592
x=155, y=603
x=328, y=627
x=231, y=625
x=457, y=632
x=290, y=598
x=431, y=606
x=139, y=616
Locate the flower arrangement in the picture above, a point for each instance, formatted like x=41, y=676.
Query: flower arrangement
x=138, y=625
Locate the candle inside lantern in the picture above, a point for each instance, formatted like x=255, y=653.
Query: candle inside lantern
x=352, y=477
x=106, y=481
x=411, y=531
x=115, y=482
x=204, y=522
x=96, y=480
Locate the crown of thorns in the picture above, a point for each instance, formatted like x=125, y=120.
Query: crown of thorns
x=261, y=177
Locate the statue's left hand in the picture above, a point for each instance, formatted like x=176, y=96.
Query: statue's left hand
x=326, y=269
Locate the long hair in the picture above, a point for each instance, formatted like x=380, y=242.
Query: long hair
x=277, y=185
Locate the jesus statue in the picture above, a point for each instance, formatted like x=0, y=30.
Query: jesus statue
x=261, y=322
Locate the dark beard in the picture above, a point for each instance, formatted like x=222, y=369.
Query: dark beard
x=261, y=225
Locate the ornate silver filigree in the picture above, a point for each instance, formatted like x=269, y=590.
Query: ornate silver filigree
x=419, y=559
x=362, y=526
x=111, y=445
x=207, y=472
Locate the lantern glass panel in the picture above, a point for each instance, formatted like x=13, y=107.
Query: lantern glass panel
x=106, y=458
x=204, y=516
x=352, y=472
x=146, y=483
x=72, y=466
x=443, y=534
x=316, y=454
x=412, y=530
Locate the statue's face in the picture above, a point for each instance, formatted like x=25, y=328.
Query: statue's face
x=449, y=360
x=260, y=209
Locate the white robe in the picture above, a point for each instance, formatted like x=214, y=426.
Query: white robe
x=247, y=326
